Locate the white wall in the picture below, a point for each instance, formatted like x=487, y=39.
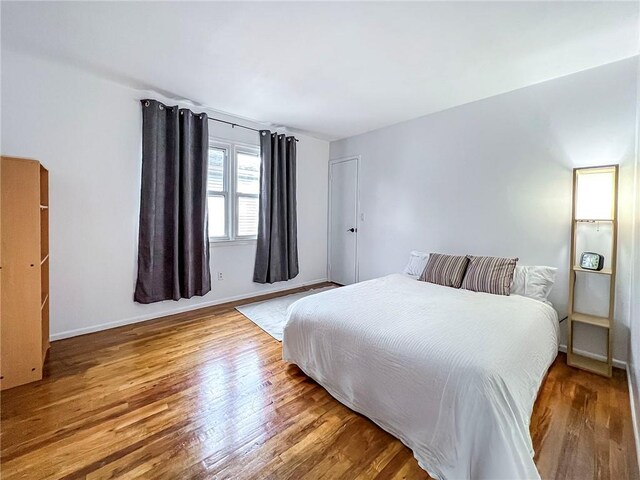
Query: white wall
x=493, y=177
x=87, y=131
x=634, y=337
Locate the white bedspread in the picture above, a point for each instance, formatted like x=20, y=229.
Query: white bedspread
x=452, y=373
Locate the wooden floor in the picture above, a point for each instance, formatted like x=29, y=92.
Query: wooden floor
x=206, y=395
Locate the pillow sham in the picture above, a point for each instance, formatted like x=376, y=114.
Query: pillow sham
x=447, y=270
x=417, y=262
x=489, y=274
x=534, y=282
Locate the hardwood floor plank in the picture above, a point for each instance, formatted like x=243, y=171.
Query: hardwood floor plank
x=205, y=394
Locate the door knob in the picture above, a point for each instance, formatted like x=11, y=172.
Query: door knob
x=352, y=230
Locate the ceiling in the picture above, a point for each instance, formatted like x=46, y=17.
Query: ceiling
x=331, y=69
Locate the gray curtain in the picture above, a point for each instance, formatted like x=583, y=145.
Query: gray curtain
x=277, y=249
x=173, y=245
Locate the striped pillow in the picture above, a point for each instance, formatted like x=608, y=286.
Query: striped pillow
x=447, y=270
x=489, y=275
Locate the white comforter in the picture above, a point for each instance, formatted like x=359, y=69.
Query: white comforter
x=452, y=373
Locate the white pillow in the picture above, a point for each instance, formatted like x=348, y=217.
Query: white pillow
x=533, y=282
x=417, y=263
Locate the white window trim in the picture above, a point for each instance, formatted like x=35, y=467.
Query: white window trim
x=230, y=173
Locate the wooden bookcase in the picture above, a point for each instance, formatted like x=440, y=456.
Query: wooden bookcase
x=24, y=291
x=609, y=223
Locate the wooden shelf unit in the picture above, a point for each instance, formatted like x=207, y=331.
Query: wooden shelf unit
x=574, y=359
x=24, y=324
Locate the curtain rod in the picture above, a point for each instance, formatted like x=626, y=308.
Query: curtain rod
x=233, y=125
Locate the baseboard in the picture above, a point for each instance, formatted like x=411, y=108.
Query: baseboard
x=634, y=417
x=143, y=318
x=595, y=356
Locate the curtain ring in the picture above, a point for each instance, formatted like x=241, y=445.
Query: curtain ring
x=161, y=107
x=264, y=133
x=146, y=104
x=181, y=112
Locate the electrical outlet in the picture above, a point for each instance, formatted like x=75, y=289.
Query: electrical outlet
x=220, y=276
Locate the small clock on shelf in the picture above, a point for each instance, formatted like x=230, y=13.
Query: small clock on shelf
x=591, y=261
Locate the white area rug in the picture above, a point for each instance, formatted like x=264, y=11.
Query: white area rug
x=271, y=315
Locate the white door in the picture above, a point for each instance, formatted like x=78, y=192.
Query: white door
x=343, y=214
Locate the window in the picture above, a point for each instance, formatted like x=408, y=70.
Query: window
x=233, y=189
x=247, y=191
x=218, y=193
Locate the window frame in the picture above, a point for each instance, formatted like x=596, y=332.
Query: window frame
x=230, y=193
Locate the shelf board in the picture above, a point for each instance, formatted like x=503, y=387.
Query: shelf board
x=589, y=364
x=593, y=220
x=603, y=322
x=604, y=271
x=44, y=207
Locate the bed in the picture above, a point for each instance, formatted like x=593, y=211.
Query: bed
x=452, y=373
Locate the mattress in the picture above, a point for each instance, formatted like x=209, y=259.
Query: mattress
x=452, y=373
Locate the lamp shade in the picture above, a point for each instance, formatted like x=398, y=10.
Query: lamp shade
x=594, y=193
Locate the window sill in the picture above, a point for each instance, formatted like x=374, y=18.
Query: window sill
x=231, y=243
